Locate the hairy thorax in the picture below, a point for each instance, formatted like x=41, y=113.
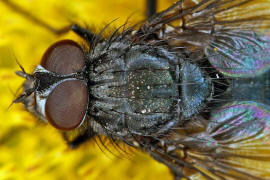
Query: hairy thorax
x=143, y=90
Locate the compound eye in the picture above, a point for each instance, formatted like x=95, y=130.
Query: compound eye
x=64, y=57
x=66, y=105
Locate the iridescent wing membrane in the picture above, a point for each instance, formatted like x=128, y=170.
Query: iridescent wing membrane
x=232, y=37
x=233, y=34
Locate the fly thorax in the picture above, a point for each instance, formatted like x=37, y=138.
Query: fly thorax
x=140, y=90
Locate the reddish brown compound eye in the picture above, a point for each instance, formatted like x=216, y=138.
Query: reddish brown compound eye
x=66, y=106
x=64, y=57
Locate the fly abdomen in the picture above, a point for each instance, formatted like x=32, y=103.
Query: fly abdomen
x=196, y=89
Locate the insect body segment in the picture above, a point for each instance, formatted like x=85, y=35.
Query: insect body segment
x=61, y=95
x=139, y=89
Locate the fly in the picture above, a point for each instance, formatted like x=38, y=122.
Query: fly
x=189, y=86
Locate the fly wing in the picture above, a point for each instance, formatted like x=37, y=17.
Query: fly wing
x=234, y=145
x=232, y=34
x=240, y=132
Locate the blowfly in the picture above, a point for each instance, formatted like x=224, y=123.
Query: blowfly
x=189, y=86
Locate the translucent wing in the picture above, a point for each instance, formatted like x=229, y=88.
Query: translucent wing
x=233, y=34
x=234, y=145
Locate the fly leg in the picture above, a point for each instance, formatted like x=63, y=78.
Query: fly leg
x=78, y=140
x=176, y=169
x=84, y=33
x=151, y=7
x=34, y=19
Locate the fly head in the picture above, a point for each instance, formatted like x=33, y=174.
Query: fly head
x=57, y=90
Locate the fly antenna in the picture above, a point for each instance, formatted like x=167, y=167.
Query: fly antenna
x=24, y=95
x=22, y=73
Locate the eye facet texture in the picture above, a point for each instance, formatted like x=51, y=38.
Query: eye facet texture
x=64, y=57
x=67, y=104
